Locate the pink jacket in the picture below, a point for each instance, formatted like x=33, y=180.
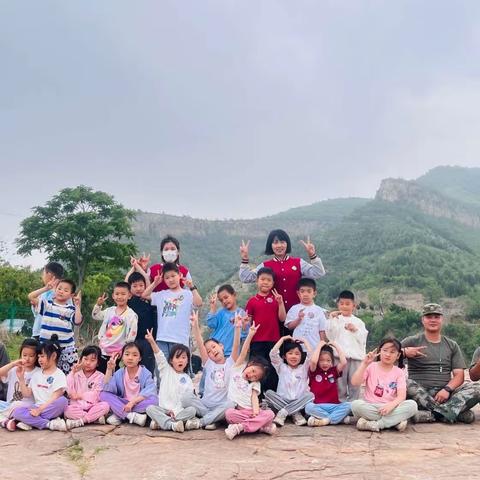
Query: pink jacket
x=89, y=388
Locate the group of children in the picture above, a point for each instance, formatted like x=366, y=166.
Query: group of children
x=290, y=364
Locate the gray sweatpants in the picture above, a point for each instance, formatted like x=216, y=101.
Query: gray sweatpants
x=370, y=411
x=277, y=402
x=165, y=421
x=207, y=415
x=346, y=391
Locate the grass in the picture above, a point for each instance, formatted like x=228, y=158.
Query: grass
x=12, y=342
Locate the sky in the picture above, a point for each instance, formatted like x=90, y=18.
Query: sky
x=231, y=109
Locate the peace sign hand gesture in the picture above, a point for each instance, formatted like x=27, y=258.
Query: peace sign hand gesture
x=101, y=300
x=309, y=247
x=277, y=296
x=244, y=249
x=371, y=357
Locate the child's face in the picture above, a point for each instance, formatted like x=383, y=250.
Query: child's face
x=121, y=296
x=253, y=373
x=180, y=362
x=389, y=354
x=29, y=357
x=346, y=306
x=228, y=300
x=215, y=351
x=46, y=362
x=325, y=361
x=279, y=247
x=306, y=295
x=137, y=288
x=265, y=283
x=293, y=357
x=89, y=363
x=131, y=357
x=63, y=292
x=172, y=279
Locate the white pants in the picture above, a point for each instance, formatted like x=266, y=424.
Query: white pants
x=370, y=411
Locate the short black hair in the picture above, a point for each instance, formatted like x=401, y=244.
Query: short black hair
x=55, y=268
x=347, y=295
x=122, y=285
x=132, y=345
x=176, y=350
x=49, y=347
x=91, y=350
x=328, y=349
x=265, y=271
x=287, y=346
x=170, y=267
x=136, y=277
x=70, y=282
x=227, y=288
x=282, y=235
x=307, y=282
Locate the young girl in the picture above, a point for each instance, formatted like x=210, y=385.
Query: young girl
x=385, y=403
x=130, y=390
x=175, y=384
x=326, y=408
x=47, y=386
x=216, y=367
x=9, y=374
x=84, y=384
x=292, y=393
x=243, y=391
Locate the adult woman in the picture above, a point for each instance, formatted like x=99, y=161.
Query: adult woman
x=288, y=270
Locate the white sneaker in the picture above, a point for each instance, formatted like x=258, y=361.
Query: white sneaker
x=233, y=430
x=178, y=427
x=281, y=416
x=299, y=419
x=368, y=425
x=350, y=420
x=401, y=427
x=23, y=426
x=154, y=425
x=57, y=424
x=269, y=429
x=193, y=424
x=101, y=420
x=211, y=426
x=137, y=418
x=74, y=423
x=114, y=420
x=317, y=422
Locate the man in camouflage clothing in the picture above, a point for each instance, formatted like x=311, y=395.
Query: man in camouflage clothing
x=436, y=373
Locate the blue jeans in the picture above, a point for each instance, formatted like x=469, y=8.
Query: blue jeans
x=335, y=412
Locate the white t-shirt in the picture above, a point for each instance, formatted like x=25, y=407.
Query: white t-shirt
x=173, y=315
x=216, y=382
x=13, y=383
x=353, y=344
x=240, y=389
x=43, y=385
x=313, y=322
x=292, y=382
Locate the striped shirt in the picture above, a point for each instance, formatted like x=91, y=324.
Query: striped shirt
x=57, y=319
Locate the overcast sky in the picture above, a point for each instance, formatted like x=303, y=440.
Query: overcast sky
x=232, y=108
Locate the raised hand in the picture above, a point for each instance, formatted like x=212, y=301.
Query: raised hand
x=101, y=300
x=371, y=357
x=415, y=352
x=77, y=299
x=309, y=247
x=143, y=261
x=253, y=329
x=112, y=362
x=52, y=284
x=20, y=370
x=194, y=319
x=277, y=296
x=213, y=300
x=149, y=336
x=238, y=320
x=78, y=366
x=244, y=249
x=133, y=261
x=187, y=282
x=158, y=278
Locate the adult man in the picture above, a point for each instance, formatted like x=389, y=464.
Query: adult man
x=436, y=373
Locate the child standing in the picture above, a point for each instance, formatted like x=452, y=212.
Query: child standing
x=267, y=310
x=350, y=334
x=169, y=414
x=84, y=384
x=174, y=307
x=243, y=390
x=306, y=319
x=9, y=374
x=59, y=317
x=292, y=394
x=385, y=403
x=47, y=386
x=130, y=390
x=119, y=324
x=326, y=407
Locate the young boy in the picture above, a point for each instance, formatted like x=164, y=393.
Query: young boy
x=306, y=319
x=59, y=317
x=119, y=323
x=267, y=310
x=174, y=307
x=350, y=333
x=147, y=316
x=51, y=274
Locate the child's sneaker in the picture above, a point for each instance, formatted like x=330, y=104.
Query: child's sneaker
x=101, y=420
x=281, y=417
x=137, y=418
x=269, y=429
x=350, y=420
x=154, y=425
x=74, y=423
x=193, y=424
x=11, y=425
x=24, y=426
x=57, y=424
x=299, y=419
x=233, y=430
x=114, y=420
x=178, y=427
x=317, y=422
x=402, y=426
x=368, y=425
x=211, y=426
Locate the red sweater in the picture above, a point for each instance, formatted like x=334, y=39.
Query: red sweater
x=287, y=275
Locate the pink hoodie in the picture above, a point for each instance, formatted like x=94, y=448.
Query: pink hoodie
x=89, y=388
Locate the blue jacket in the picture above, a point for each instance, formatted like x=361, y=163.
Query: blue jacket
x=147, y=385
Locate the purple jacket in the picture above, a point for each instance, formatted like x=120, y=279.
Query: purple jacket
x=147, y=385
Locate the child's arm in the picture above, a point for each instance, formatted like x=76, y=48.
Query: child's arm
x=315, y=355
x=255, y=403
x=294, y=321
x=97, y=312
x=149, y=338
x=305, y=342
x=275, y=352
x=72, y=393
x=236, y=337
x=6, y=368
x=77, y=301
x=132, y=324
x=35, y=412
x=246, y=345
x=156, y=282
x=198, y=337
x=357, y=377
x=342, y=363
x=26, y=391
x=282, y=313
x=33, y=297
x=213, y=303
x=196, y=298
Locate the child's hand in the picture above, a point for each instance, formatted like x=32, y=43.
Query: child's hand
x=52, y=284
x=78, y=366
x=322, y=343
x=301, y=315
x=101, y=300
x=245, y=322
x=171, y=414
x=149, y=336
x=112, y=362
x=387, y=408
x=334, y=314
x=238, y=320
x=133, y=261
x=309, y=247
x=277, y=296
x=158, y=279
x=35, y=412
x=255, y=412
x=244, y=249
x=20, y=370
x=187, y=282
x=371, y=356
x=194, y=319
x=351, y=327
x=213, y=301
x=143, y=261
x=253, y=329
x=128, y=407
x=77, y=299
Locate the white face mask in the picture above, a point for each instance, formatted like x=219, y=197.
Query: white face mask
x=170, y=256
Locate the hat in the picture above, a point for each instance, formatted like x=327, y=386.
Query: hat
x=432, y=308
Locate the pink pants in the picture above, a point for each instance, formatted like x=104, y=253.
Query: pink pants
x=90, y=415
x=244, y=417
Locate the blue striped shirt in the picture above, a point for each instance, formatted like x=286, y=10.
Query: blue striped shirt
x=57, y=319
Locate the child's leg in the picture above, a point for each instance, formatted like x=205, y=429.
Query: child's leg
x=216, y=414
x=192, y=400
x=116, y=404
x=244, y=417
x=363, y=409
x=275, y=401
x=96, y=411
x=299, y=404
x=144, y=404
x=55, y=409
x=185, y=414
x=404, y=411
x=335, y=412
x=159, y=416
x=350, y=369
x=74, y=412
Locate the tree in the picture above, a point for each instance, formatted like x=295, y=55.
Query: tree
x=79, y=227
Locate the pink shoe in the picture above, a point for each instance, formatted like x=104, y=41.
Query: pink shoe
x=11, y=425
x=269, y=429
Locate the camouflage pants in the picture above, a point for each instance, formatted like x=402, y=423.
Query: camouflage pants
x=463, y=398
